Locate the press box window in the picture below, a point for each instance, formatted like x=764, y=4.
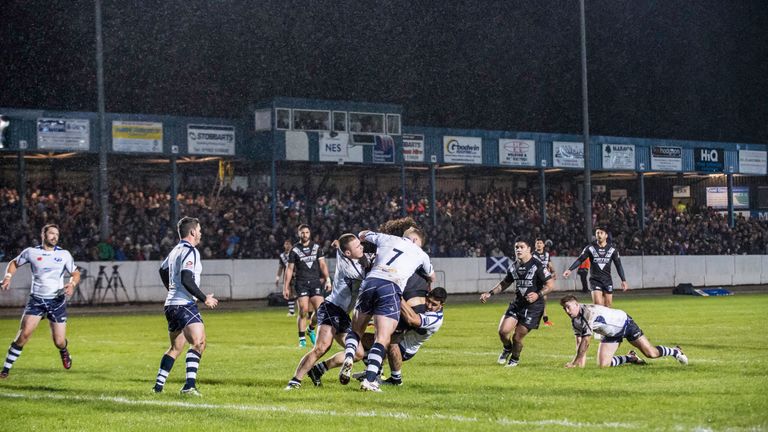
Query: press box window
x=393, y=124
x=311, y=120
x=366, y=123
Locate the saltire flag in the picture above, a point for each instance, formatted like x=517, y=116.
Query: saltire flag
x=496, y=264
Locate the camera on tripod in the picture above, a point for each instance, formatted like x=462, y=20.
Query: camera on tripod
x=104, y=284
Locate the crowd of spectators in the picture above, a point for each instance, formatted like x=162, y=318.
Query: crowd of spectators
x=238, y=224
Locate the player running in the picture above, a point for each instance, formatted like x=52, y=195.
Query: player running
x=533, y=281
x=47, y=296
x=306, y=265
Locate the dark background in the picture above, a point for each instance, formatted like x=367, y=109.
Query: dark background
x=684, y=69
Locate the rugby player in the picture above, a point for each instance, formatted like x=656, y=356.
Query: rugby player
x=333, y=314
x=281, y=265
x=47, y=296
x=545, y=259
x=533, y=281
x=613, y=325
x=397, y=258
x=180, y=273
x=600, y=255
x=422, y=326
x=307, y=266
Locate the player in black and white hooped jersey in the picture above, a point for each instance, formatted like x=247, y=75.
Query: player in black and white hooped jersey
x=532, y=282
x=308, y=271
x=613, y=325
x=180, y=273
x=333, y=320
x=601, y=254
x=49, y=264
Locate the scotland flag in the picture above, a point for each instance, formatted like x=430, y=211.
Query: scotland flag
x=496, y=264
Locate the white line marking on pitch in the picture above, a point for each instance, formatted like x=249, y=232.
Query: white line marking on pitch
x=271, y=408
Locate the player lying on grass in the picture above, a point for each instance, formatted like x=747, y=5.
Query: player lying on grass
x=613, y=325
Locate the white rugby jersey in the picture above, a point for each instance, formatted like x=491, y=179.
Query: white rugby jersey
x=347, y=271
x=414, y=338
x=48, y=268
x=183, y=257
x=599, y=319
x=397, y=258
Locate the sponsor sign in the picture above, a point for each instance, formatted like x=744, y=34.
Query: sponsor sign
x=337, y=149
x=383, y=149
x=708, y=159
x=717, y=197
x=568, y=154
x=516, y=152
x=137, y=136
x=465, y=150
x=211, y=139
x=619, y=156
x=666, y=158
x=63, y=134
x=413, y=148
x=681, y=191
x=753, y=162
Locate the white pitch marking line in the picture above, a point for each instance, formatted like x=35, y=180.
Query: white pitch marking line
x=271, y=408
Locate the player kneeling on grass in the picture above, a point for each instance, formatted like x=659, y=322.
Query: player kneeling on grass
x=180, y=273
x=613, y=325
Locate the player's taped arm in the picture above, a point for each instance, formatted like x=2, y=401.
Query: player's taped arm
x=165, y=276
x=549, y=286
x=500, y=287
x=188, y=280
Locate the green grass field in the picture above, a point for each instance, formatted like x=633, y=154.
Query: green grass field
x=453, y=384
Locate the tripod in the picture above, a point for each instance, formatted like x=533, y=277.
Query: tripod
x=78, y=296
x=106, y=283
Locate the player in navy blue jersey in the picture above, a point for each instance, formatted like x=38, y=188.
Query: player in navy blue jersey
x=180, y=273
x=532, y=282
x=308, y=271
x=47, y=298
x=600, y=254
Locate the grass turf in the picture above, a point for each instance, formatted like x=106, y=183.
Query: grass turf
x=454, y=383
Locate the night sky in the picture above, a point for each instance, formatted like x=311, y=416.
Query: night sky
x=682, y=69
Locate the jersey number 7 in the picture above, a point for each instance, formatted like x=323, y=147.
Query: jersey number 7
x=397, y=254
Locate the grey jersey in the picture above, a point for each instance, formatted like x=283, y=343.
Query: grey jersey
x=347, y=272
x=183, y=257
x=48, y=269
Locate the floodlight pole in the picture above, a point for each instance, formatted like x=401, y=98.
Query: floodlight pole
x=103, y=180
x=22, y=179
x=731, y=218
x=174, y=191
x=585, y=115
x=543, y=196
x=402, y=183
